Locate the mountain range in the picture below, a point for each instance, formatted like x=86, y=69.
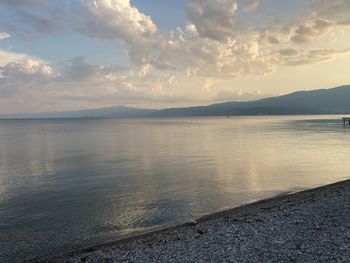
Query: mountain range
x=324, y=101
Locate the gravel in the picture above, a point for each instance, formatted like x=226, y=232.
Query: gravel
x=310, y=226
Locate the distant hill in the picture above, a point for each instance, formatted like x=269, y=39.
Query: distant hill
x=113, y=112
x=324, y=101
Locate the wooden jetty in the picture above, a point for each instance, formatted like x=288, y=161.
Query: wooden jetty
x=346, y=121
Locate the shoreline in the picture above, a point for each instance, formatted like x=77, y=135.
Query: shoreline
x=160, y=244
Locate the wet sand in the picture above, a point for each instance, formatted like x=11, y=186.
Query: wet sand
x=309, y=226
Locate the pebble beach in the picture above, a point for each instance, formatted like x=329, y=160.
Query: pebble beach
x=309, y=226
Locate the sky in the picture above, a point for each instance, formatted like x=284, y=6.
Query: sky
x=64, y=55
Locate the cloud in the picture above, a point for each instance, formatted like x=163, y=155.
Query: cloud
x=172, y=80
x=333, y=9
x=26, y=68
x=214, y=19
x=4, y=35
x=250, y=5
x=30, y=16
x=227, y=58
x=7, y=56
x=75, y=82
x=215, y=42
x=288, y=52
x=266, y=39
x=118, y=20
x=41, y=24
x=293, y=57
x=25, y=76
x=78, y=70
x=344, y=22
x=305, y=33
x=110, y=19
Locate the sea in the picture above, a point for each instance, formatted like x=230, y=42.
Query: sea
x=67, y=184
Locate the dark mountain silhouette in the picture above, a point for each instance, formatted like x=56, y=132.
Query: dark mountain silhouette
x=324, y=101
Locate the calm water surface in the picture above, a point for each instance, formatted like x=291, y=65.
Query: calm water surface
x=67, y=184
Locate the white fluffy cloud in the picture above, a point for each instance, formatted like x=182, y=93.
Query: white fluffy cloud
x=26, y=68
x=117, y=19
x=7, y=56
